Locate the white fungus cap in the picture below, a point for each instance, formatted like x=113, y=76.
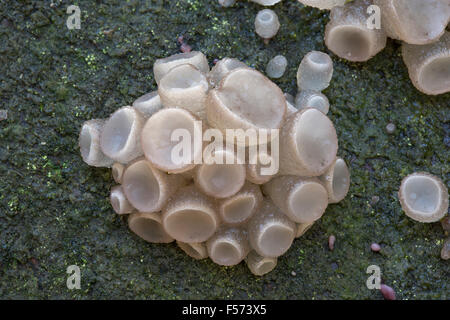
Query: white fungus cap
x=315, y=71
x=148, y=104
x=267, y=24
x=323, y=4
x=89, y=142
x=276, y=67
x=266, y=2
x=312, y=99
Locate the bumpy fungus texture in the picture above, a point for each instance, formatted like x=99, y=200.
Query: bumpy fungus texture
x=218, y=210
x=429, y=65
x=423, y=197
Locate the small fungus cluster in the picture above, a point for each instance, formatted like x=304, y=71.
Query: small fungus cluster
x=227, y=212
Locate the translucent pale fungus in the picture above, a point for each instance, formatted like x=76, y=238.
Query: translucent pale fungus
x=302, y=228
x=258, y=166
x=347, y=34
x=323, y=4
x=119, y=202
x=167, y=137
x=228, y=246
x=184, y=86
x=117, y=170
x=315, y=71
x=195, y=250
x=195, y=58
x=120, y=138
x=429, y=65
x=270, y=231
x=220, y=180
x=227, y=3
x=423, y=197
x=190, y=216
x=245, y=99
x=336, y=180
x=148, y=104
x=303, y=200
x=222, y=68
x=89, y=142
x=276, y=67
x=239, y=208
x=308, y=144
x=266, y=2
x=267, y=24
x=148, y=226
x=414, y=21
x=312, y=99
x=148, y=188
x=260, y=265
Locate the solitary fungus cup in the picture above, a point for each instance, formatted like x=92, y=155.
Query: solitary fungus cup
x=276, y=67
x=239, y=208
x=429, y=65
x=148, y=227
x=89, y=142
x=347, y=34
x=220, y=180
x=312, y=99
x=267, y=24
x=190, y=216
x=315, y=71
x=197, y=251
x=148, y=188
x=222, y=68
x=148, y=104
x=308, y=144
x=162, y=134
x=336, y=180
x=303, y=200
x=270, y=231
x=120, y=137
x=323, y=4
x=195, y=58
x=414, y=21
x=119, y=202
x=245, y=99
x=228, y=246
x=260, y=265
x=423, y=197
x=184, y=86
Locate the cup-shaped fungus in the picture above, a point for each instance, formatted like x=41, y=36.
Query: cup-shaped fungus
x=190, y=216
x=302, y=228
x=303, y=200
x=414, y=21
x=336, y=180
x=245, y=99
x=323, y=4
x=267, y=24
x=227, y=3
x=258, y=166
x=217, y=178
x=117, y=170
x=270, y=231
x=276, y=67
x=184, y=86
x=347, y=34
x=308, y=144
x=260, y=265
x=148, y=188
x=195, y=58
x=168, y=140
x=315, y=71
x=266, y=2
x=429, y=65
x=312, y=99
x=239, y=208
x=120, y=138
x=229, y=246
x=119, y=202
x=197, y=251
x=423, y=197
x=222, y=68
x=147, y=225
x=148, y=104
x=89, y=142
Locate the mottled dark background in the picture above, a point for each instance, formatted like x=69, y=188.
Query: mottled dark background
x=54, y=209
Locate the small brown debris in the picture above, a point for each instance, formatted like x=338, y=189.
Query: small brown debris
x=375, y=247
x=445, y=252
x=387, y=292
x=331, y=241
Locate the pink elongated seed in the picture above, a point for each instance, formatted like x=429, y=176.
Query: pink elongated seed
x=375, y=247
x=387, y=292
x=331, y=241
